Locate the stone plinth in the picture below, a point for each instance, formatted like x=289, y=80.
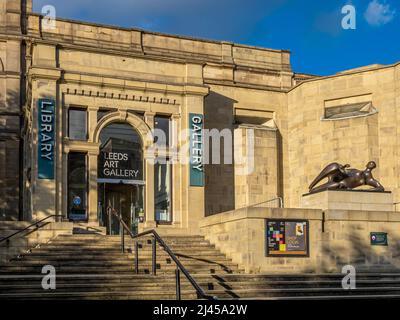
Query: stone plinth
x=349, y=200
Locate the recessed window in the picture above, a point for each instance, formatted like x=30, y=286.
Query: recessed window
x=349, y=111
x=162, y=192
x=77, y=124
x=162, y=130
x=103, y=112
x=77, y=186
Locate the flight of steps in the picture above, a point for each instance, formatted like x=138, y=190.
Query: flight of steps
x=93, y=267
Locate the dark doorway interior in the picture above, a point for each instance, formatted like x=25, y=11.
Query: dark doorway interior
x=126, y=199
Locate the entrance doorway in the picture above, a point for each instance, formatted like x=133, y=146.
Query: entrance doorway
x=126, y=200
x=120, y=177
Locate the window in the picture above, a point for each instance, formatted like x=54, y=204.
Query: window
x=349, y=111
x=121, y=154
x=162, y=130
x=103, y=112
x=162, y=192
x=77, y=186
x=77, y=124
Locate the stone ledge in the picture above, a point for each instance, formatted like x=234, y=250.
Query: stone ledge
x=261, y=213
x=360, y=215
x=353, y=200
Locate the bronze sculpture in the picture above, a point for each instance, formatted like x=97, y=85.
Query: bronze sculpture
x=341, y=177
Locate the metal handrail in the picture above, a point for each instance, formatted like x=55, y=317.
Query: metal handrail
x=28, y=227
x=270, y=200
x=200, y=292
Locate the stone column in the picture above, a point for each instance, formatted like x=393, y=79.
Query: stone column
x=46, y=194
x=65, y=183
x=150, y=222
x=92, y=121
x=92, y=185
x=192, y=196
x=176, y=171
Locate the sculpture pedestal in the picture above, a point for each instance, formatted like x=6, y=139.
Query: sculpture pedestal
x=349, y=200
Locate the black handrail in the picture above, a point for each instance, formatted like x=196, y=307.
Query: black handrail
x=30, y=226
x=200, y=292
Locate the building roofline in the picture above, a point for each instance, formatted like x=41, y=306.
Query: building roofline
x=345, y=73
x=95, y=24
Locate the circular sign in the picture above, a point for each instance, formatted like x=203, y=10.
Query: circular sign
x=373, y=237
x=77, y=201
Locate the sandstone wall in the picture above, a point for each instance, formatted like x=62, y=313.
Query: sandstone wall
x=11, y=100
x=313, y=143
x=336, y=239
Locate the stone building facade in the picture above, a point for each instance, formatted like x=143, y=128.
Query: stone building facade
x=98, y=80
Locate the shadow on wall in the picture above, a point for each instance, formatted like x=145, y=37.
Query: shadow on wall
x=357, y=251
x=9, y=155
x=220, y=178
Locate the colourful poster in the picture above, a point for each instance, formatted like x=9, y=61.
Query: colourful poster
x=287, y=238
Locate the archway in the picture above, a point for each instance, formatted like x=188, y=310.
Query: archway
x=121, y=177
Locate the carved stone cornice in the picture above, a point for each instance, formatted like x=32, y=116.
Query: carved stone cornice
x=132, y=84
x=44, y=73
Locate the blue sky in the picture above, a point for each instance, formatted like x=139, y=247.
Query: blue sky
x=310, y=29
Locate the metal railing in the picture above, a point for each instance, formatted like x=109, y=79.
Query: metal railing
x=265, y=204
x=35, y=224
x=156, y=238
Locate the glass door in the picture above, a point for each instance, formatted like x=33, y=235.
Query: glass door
x=127, y=200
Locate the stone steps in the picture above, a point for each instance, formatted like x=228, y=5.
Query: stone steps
x=212, y=287
x=143, y=262
x=157, y=294
x=92, y=266
x=178, y=247
x=161, y=254
x=162, y=263
x=119, y=269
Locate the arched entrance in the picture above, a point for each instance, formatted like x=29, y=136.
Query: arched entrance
x=121, y=179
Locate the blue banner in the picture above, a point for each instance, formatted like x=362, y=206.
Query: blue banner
x=46, y=138
x=196, y=127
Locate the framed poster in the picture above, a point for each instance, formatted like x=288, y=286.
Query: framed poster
x=287, y=238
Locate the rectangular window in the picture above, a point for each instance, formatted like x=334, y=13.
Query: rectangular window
x=77, y=186
x=162, y=130
x=77, y=124
x=162, y=192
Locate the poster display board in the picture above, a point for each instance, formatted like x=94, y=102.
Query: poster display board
x=287, y=238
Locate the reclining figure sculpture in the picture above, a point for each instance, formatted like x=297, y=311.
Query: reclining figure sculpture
x=341, y=177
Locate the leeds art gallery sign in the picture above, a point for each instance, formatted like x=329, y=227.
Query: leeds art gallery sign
x=120, y=165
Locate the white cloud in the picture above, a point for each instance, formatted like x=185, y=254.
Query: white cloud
x=378, y=14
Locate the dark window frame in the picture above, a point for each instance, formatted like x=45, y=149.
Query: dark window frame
x=86, y=123
x=86, y=185
x=171, y=207
x=168, y=136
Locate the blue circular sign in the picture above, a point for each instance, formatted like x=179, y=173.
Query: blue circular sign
x=77, y=201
